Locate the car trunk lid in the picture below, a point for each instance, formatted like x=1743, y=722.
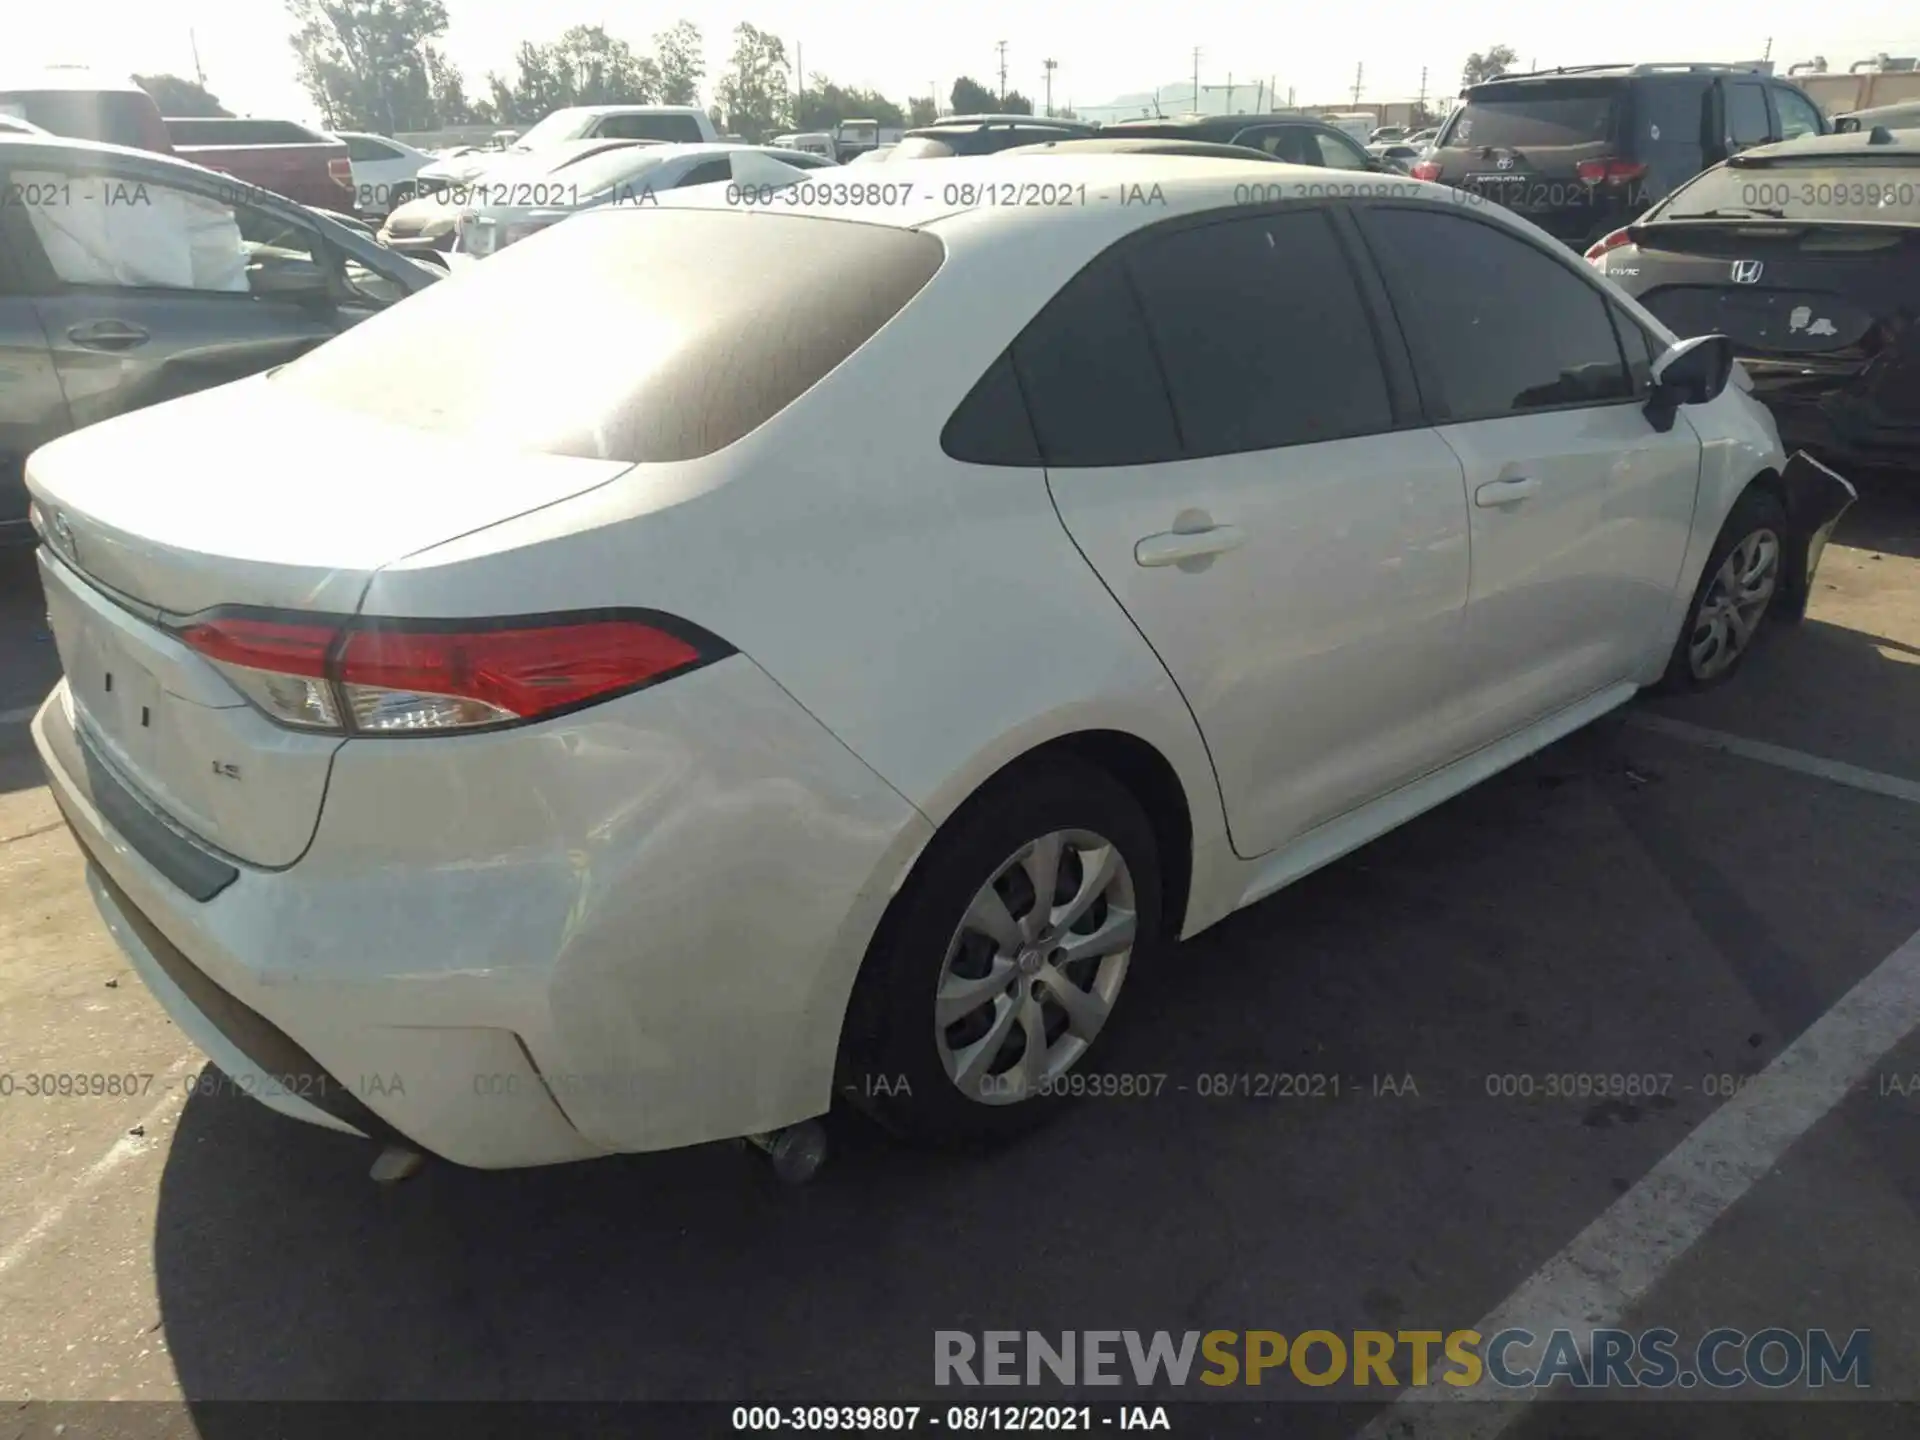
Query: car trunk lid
x=1546, y=149
x=203, y=503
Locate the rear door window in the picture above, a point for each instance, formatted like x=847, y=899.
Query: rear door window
x=706, y=173
x=1670, y=112
x=1261, y=331
x=1543, y=115
x=365, y=149
x=1094, y=388
x=1336, y=152
x=1497, y=327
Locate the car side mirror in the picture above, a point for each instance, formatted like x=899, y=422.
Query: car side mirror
x=1691, y=372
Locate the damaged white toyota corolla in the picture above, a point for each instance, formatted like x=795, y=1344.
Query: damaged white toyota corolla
x=776, y=652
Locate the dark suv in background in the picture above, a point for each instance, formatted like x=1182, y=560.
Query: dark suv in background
x=1585, y=149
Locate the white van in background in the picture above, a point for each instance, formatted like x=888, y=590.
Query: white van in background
x=813, y=142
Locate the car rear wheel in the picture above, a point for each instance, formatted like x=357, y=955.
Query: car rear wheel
x=1737, y=587
x=1000, y=964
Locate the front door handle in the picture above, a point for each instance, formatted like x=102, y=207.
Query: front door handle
x=1175, y=546
x=108, y=335
x=1504, y=492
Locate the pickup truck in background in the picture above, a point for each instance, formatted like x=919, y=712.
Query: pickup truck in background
x=276, y=155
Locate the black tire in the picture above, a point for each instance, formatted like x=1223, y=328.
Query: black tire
x=1756, y=512
x=891, y=1062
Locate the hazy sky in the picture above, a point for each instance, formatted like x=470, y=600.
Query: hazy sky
x=1104, y=49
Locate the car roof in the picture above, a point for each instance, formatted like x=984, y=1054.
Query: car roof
x=1904, y=110
x=1901, y=144
x=1236, y=123
x=1120, y=190
x=1014, y=118
x=99, y=149
x=1142, y=145
x=628, y=110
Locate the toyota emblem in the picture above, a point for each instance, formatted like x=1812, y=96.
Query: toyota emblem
x=1505, y=162
x=60, y=532
x=1747, y=272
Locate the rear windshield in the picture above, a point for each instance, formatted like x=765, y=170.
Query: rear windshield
x=1870, y=190
x=240, y=132
x=639, y=335
x=1519, y=116
x=921, y=147
x=680, y=129
x=115, y=117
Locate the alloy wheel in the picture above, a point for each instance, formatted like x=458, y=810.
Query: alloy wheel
x=1033, y=969
x=1731, y=610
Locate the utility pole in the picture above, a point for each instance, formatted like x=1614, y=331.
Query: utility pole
x=1422, y=102
x=1002, y=47
x=933, y=89
x=200, y=74
x=799, y=71
x=1051, y=66
x=1273, y=92
x=1196, y=79
x=1358, y=71
x=1769, y=52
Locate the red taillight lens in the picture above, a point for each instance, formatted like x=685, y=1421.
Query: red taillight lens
x=1612, y=241
x=1425, y=170
x=1611, y=172
x=341, y=171
x=395, y=676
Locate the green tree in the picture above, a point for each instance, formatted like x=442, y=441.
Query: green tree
x=447, y=88
x=970, y=97
x=823, y=105
x=922, y=111
x=176, y=96
x=1496, y=61
x=364, y=62
x=1016, y=104
x=754, y=90
x=585, y=66
x=681, y=56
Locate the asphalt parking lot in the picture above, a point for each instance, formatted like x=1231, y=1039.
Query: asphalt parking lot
x=1637, y=900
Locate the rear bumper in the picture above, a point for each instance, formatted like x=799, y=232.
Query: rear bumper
x=1831, y=420
x=631, y=929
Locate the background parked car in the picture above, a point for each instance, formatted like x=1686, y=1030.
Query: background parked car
x=633, y=175
x=1806, y=254
x=1396, y=155
x=278, y=155
x=875, y=155
x=1142, y=145
x=14, y=125
x=108, y=304
x=665, y=124
x=1887, y=117
x=383, y=171
x=87, y=105
x=1584, y=149
x=1297, y=141
x=984, y=135
x=427, y=224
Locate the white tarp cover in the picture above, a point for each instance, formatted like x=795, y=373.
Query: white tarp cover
x=110, y=232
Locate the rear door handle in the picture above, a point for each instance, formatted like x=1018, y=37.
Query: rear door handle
x=1505, y=492
x=108, y=335
x=1174, y=546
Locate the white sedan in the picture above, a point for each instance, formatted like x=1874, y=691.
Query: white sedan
x=629, y=177
x=868, y=635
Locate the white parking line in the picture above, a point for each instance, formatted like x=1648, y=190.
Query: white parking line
x=90, y=1179
x=20, y=716
x=1837, y=771
x=1612, y=1264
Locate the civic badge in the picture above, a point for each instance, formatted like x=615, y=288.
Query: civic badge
x=1747, y=272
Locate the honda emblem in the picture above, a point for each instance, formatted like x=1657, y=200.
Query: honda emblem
x=1747, y=272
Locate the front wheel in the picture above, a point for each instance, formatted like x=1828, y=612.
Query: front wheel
x=1000, y=964
x=1737, y=586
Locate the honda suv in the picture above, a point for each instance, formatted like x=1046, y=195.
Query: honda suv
x=1585, y=149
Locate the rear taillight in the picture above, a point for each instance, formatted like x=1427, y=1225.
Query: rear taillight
x=1611, y=241
x=1609, y=172
x=375, y=676
x=1425, y=170
x=341, y=171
